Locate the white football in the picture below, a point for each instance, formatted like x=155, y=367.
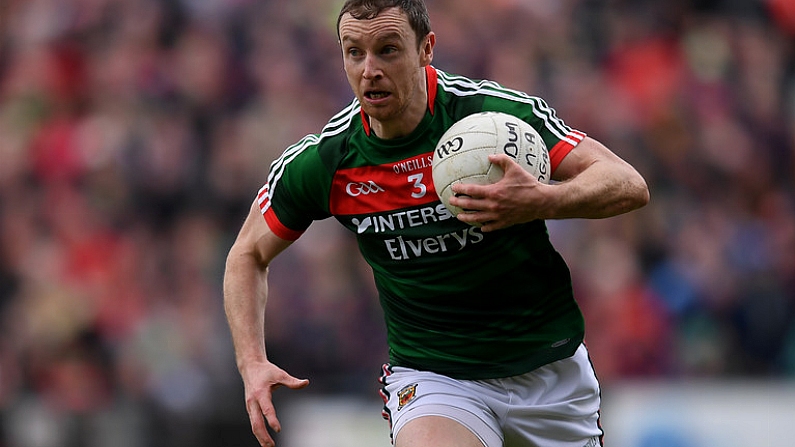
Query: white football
x=461, y=155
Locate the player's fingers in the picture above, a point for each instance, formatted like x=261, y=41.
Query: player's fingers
x=467, y=190
x=466, y=202
x=294, y=383
x=258, y=422
x=511, y=168
x=468, y=218
x=474, y=217
x=491, y=226
x=269, y=413
x=503, y=161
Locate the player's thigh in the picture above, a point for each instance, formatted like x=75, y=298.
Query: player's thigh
x=436, y=431
x=556, y=405
x=435, y=408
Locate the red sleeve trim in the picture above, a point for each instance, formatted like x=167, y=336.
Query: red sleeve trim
x=278, y=228
x=564, y=146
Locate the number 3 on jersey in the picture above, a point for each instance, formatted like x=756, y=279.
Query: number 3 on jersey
x=419, y=188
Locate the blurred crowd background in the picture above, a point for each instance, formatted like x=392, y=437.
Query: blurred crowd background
x=134, y=135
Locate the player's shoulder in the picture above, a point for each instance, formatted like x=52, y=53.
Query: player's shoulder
x=334, y=140
x=463, y=95
x=325, y=146
x=463, y=86
x=343, y=122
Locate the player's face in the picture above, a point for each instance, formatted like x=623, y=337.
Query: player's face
x=385, y=69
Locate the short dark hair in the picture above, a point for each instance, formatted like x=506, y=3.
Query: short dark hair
x=419, y=20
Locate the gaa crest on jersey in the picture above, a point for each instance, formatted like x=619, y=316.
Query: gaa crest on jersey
x=406, y=395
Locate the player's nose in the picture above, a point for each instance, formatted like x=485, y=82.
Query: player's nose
x=372, y=69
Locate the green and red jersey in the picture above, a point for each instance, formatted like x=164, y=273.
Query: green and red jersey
x=456, y=301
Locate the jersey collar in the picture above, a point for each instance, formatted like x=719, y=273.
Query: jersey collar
x=431, y=81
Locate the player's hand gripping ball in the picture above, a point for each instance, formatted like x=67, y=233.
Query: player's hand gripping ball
x=462, y=153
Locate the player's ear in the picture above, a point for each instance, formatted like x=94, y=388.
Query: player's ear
x=426, y=49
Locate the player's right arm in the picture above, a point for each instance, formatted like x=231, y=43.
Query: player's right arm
x=245, y=296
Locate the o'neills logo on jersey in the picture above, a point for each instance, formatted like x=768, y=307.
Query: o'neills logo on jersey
x=355, y=189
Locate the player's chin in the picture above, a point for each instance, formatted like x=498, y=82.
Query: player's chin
x=379, y=113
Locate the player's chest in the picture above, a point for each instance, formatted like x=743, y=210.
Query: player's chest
x=382, y=188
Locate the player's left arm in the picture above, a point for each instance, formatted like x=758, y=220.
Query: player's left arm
x=596, y=183
x=590, y=182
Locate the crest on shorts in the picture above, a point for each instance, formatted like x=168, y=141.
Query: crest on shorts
x=406, y=395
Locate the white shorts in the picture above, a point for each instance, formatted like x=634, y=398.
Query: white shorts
x=556, y=405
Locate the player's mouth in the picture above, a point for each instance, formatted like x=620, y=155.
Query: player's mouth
x=376, y=95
